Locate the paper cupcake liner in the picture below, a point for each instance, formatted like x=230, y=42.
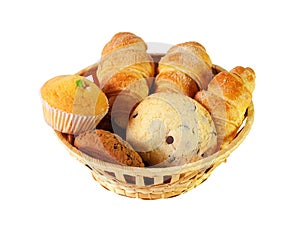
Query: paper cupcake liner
x=68, y=122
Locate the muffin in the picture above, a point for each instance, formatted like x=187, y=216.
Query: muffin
x=109, y=147
x=73, y=104
x=169, y=129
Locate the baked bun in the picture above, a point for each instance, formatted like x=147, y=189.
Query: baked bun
x=124, y=73
x=170, y=129
x=227, y=98
x=109, y=147
x=186, y=68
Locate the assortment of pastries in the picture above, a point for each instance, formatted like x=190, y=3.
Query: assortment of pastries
x=146, y=116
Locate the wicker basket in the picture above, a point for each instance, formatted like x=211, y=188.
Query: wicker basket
x=155, y=183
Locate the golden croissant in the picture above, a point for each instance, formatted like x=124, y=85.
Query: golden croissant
x=123, y=73
x=227, y=98
x=186, y=68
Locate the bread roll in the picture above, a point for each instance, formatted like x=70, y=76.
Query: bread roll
x=123, y=73
x=227, y=98
x=185, y=68
x=170, y=129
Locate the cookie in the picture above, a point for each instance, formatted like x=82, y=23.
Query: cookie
x=108, y=147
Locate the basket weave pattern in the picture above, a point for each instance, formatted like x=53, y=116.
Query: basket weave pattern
x=155, y=183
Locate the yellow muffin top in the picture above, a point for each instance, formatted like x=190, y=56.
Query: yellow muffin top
x=74, y=94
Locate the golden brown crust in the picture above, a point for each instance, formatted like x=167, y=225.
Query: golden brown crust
x=125, y=66
x=230, y=88
x=176, y=81
x=109, y=147
x=125, y=52
x=227, y=98
x=121, y=40
x=192, y=61
x=120, y=81
x=247, y=75
x=225, y=116
x=198, y=50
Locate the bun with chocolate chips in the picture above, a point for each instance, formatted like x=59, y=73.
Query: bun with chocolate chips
x=170, y=129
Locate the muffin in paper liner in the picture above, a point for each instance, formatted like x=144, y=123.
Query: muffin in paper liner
x=68, y=122
x=72, y=104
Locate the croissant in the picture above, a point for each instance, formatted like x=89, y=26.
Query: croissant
x=124, y=73
x=227, y=98
x=186, y=68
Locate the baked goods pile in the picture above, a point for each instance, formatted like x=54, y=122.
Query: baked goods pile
x=146, y=116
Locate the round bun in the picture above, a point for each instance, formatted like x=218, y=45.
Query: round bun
x=170, y=129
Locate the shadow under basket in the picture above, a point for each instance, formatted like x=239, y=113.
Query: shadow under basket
x=155, y=183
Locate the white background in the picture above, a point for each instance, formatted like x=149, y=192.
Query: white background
x=42, y=185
